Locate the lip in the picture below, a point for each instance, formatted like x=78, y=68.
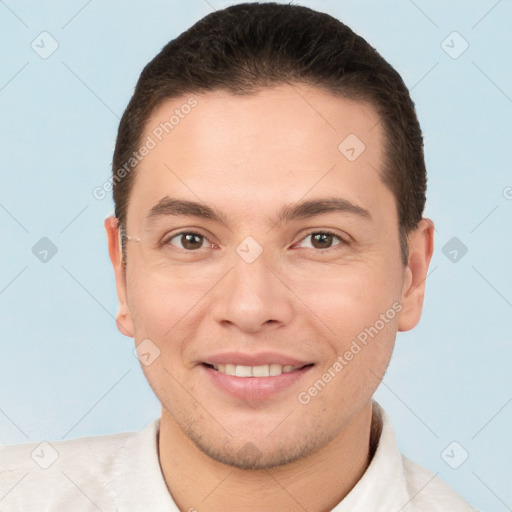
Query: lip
x=258, y=359
x=254, y=388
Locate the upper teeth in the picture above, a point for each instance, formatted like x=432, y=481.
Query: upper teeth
x=264, y=370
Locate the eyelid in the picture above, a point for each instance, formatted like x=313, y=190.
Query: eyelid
x=193, y=231
x=196, y=231
x=343, y=239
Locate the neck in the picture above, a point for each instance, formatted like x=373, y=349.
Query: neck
x=316, y=483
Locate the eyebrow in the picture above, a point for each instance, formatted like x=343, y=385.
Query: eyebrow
x=169, y=206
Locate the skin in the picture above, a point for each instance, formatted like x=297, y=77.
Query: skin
x=249, y=156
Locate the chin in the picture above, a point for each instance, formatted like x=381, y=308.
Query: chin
x=253, y=452
x=250, y=457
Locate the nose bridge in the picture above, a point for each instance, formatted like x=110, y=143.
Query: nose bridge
x=251, y=295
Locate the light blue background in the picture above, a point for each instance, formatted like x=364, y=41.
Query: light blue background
x=65, y=371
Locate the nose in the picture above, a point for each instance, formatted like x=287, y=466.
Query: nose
x=252, y=297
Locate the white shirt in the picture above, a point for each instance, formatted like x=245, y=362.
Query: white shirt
x=121, y=472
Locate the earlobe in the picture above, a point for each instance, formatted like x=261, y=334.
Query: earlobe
x=421, y=246
x=124, y=325
x=123, y=318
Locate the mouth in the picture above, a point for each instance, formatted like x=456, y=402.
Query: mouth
x=255, y=383
x=263, y=370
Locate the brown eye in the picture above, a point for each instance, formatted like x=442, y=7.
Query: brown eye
x=321, y=240
x=188, y=241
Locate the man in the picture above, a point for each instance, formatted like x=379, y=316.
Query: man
x=268, y=243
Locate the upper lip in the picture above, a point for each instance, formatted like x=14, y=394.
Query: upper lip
x=258, y=359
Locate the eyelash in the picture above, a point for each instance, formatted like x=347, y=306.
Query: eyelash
x=342, y=241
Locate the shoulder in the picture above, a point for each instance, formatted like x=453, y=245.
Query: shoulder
x=396, y=482
x=43, y=455
x=429, y=492
x=76, y=474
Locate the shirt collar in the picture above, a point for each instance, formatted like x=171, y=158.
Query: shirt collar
x=382, y=485
x=138, y=482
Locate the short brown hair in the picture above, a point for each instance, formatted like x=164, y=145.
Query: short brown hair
x=249, y=46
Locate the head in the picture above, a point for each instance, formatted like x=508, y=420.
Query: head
x=290, y=152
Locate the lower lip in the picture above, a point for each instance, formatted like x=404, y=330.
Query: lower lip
x=254, y=388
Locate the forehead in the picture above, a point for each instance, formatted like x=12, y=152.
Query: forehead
x=276, y=146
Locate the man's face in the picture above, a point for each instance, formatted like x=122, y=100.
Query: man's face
x=257, y=287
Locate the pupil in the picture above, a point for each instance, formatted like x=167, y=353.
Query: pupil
x=191, y=241
x=322, y=240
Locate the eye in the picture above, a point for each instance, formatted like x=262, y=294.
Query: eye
x=188, y=240
x=322, y=240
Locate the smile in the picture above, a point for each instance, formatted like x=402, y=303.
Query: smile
x=258, y=382
x=264, y=370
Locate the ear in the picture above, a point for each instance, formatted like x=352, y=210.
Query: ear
x=123, y=319
x=421, y=246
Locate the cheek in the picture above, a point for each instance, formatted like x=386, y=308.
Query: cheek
x=353, y=297
x=156, y=306
x=163, y=313
x=358, y=308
